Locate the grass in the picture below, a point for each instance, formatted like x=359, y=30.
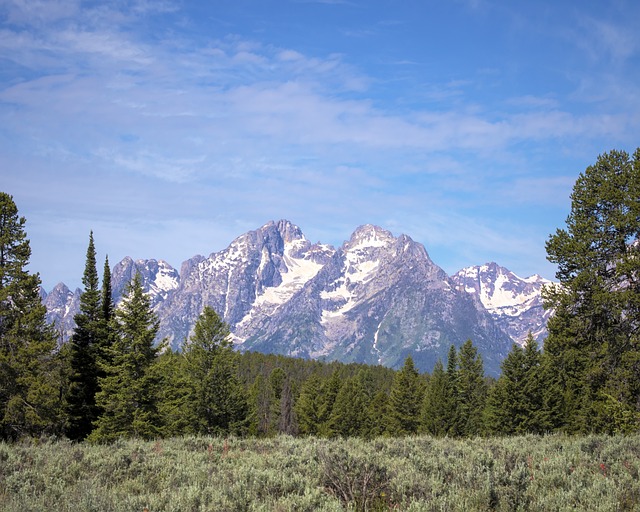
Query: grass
x=555, y=473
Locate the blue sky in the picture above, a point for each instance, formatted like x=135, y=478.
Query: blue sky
x=171, y=127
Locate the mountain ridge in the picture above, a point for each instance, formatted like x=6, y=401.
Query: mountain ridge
x=376, y=299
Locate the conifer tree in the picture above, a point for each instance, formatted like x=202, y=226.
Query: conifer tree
x=106, y=338
x=128, y=397
x=260, y=398
x=307, y=406
x=405, y=401
x=349, y=414
x=472, y=390
x=288, y=422
x=177, y=418
x=217, y=399
x=329, y=393
x=452, y=410
x=593, y=348
x=83, y=350
x=29, y=384
x=376, y=415
x=436, y=405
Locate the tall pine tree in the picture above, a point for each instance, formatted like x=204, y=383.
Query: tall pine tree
x=83, y=350
x=593, y=348
x=128, y=396
x=472, y=390
x=29, y=383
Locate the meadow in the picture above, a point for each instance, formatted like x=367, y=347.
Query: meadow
x=283, y=473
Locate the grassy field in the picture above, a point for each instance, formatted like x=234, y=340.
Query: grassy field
x=285, y=474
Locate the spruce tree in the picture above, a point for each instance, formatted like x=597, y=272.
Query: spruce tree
x=452, y=409
x=349, y=414
x=405, y=401
x=218, y=401
x=29, y=371
x=329, y=393
x=593, y=348
x=436, y=405
x=106, y=337
x=505, y=407
x=307, y=406
x=83, y=351
x=128, y=396
x=472, y=390
x=376, y=415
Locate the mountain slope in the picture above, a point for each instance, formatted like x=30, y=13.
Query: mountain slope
x=514, y=302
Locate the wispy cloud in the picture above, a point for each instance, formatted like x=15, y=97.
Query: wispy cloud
x=231, y=129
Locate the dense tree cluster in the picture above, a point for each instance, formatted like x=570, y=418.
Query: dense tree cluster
x=111, y=381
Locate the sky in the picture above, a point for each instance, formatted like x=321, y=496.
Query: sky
x=171, y=127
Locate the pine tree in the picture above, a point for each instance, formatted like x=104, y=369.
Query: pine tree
x=128, y=396
x=349, y=414
x=288, y=422
x=472, y=390
x=177, y=418
x=29, y=371
x=376, y=414
x=218, y=400
x=106, y=337
x=83, y=350
x=593, y=347
x=329, y=393
x=405, y=401
x=436, y=405
x=307, y=406
x=452, y=409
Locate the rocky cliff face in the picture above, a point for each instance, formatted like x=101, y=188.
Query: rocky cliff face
x=375, y=299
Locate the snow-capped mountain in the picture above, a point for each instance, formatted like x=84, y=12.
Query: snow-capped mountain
x=245, y=283
x=62, y=305
x=375, y=299
x=514, y=302
x=159, y=278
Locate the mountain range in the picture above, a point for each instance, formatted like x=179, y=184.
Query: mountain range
x=376, y=299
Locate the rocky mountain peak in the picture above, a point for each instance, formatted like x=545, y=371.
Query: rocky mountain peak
x=288, y=231
x=513, y=301
x=369, y=235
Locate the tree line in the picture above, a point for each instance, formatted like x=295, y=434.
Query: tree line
x=110, y=380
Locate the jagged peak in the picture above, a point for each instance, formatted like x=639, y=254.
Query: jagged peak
x=369, y=235
x=287, y=229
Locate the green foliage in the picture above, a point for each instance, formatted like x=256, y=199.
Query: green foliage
x=349, y=416
x=307, y=406
x=29, y=370
x=80, y=403
x=593, y=345
x=405, y=401
x=436, y=405
x=216, y=401
x=128, y=394
x=472, y=390
x=515, y=402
